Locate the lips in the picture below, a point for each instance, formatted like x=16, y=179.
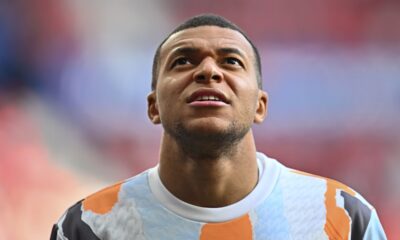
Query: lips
x=207, y=95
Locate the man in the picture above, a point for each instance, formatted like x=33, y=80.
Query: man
x=210, y=182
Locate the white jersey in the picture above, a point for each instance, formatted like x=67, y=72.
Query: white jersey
x=285, y=204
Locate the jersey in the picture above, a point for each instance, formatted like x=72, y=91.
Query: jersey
x=285, y=204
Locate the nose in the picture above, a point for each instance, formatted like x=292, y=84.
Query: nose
x=207, y=70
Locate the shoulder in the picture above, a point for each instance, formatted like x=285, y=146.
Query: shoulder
x=342, y=212
x=347, y=213
x=86, y=219
x=102, y=201
x=71, y=226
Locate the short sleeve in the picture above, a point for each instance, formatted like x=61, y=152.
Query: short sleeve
x=71, y=227
x=374, y=230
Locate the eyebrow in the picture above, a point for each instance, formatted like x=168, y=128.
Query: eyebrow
x=185, y=50
x=231, y=50
x=192, y=50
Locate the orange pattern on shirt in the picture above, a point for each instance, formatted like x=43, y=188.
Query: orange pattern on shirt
x=338, y=223
x=102, y=202
x=239, y=228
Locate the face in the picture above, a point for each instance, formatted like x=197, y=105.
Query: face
x=207, y=83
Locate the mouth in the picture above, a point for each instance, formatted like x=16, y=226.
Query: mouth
x=207, y=97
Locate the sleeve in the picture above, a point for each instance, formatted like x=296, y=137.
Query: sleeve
x=72, y=227
x=54, y=232
x=364, y=220
x=374, y=230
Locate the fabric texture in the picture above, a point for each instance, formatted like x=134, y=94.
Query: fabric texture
x=285, y=204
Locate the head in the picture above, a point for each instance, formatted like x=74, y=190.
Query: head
x=207, y=86
x=206, y=20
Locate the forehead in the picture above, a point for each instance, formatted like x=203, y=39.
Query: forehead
x=207, y=37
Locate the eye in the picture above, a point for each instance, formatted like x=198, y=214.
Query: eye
x=180, y=61
x=233, y=61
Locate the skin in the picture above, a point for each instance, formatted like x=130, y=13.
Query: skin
x=208, y=154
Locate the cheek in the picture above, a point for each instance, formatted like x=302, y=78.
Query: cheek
x=249, y=102
x=176, y=82
x=167, y=88
x=170, y=92
x=240, y=83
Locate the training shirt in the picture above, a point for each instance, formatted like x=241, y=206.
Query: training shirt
x=285, y=204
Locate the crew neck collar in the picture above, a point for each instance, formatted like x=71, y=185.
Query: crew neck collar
x=268, y=174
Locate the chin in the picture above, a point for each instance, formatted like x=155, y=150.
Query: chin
x=207, y=126
x=215, y=132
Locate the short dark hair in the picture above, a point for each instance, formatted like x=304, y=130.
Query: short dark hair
x=205, y=20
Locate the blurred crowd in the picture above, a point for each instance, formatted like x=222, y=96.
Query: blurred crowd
x=74, y=76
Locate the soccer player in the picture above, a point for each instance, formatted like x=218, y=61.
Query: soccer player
x=210, y=182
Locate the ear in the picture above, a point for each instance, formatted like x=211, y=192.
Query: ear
x=262, y=107
x=152, y=108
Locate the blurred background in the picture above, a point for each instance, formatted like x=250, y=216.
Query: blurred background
x=74, y=76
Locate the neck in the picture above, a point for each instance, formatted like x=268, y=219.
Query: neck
x=209, y=180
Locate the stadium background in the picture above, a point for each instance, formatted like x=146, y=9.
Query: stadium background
x=74, y=76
